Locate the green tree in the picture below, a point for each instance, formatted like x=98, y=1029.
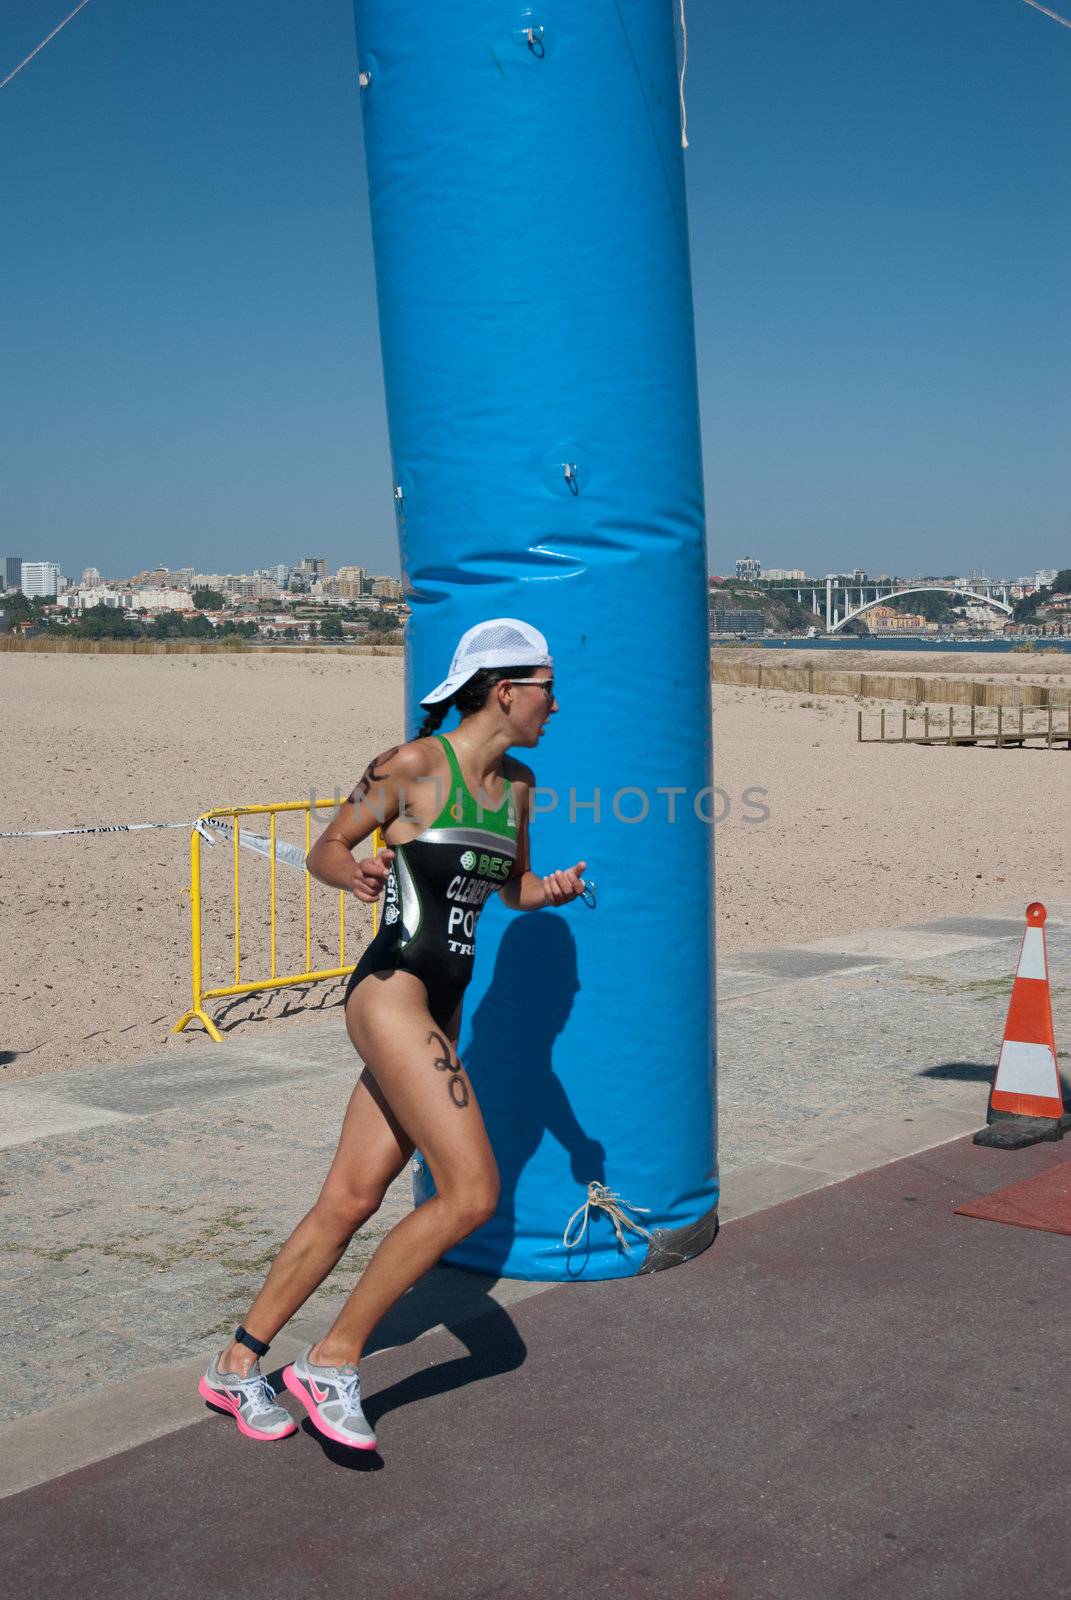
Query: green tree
x=331, y=628
x=238, y=630
x=208, y=600
x=382, y=621
x=166, y=625
x=15, y=603
x=105, y=622
x=934, y=607
x=1025, y=610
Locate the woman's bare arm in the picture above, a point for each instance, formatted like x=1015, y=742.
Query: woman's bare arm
x=378, y=799
x=525, y=890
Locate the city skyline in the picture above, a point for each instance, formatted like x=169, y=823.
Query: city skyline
x=190, y=329
x=312, y=570
x=303, y=600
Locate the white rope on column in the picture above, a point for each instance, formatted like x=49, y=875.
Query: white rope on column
x=602, y=1198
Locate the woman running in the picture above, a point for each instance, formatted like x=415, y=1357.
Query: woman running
x=454, y=810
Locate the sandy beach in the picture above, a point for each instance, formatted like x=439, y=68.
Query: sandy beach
x=95, y=958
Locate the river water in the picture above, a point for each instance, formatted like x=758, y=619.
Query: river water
x=973, y=646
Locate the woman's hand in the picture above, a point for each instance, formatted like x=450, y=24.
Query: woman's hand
x=561, y=887
x=370, y=875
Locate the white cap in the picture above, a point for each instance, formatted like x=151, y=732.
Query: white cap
x=500, y=642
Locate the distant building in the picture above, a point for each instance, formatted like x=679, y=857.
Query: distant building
x=1043, y=579
x=889, y=619
x=11, y=572
x=349, y=583
x=749, y=568
x=84, y=596
x=983, y=618
x=736, y=621
x=314, y=566
x=784, y=572
x=154, y=599
x=387, y=588
x=91, y=578
x=355, y=579
x=40, y=578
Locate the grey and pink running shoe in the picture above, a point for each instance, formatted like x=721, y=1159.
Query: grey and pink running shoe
x=250, y=1400
x=332, y=1397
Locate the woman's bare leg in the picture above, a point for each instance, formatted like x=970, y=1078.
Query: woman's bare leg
x=416, y=1065
x=372, y=1150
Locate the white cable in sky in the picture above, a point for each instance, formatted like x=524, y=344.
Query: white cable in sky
x=1055, y=15
x=58, y=29
x=684, y=69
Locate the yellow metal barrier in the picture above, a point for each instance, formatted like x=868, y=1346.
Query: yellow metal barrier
x=229, y=816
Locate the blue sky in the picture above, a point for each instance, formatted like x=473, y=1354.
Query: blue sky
x=881, y=229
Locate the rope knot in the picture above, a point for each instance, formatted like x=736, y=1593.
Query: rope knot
x=602, y=1198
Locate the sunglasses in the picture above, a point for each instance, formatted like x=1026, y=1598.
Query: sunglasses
x=546, y=684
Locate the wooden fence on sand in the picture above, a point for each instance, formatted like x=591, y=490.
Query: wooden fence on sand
x=1042, y=726
x=48, y=644
x=909, y=688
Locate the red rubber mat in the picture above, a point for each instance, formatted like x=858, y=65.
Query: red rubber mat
x=1043, y=1201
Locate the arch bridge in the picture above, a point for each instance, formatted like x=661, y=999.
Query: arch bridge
x=834, y=621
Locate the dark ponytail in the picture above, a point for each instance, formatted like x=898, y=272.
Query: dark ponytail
x=435, y=716
x=470, y=698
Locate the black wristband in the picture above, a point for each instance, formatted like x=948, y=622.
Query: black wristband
x=258, y=1346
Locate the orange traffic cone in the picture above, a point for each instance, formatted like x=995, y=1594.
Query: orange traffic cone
x=1026, y=1104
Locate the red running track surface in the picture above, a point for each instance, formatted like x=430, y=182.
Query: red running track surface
x=1043, y=1201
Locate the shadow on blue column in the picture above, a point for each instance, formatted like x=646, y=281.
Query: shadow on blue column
x=508, y=1051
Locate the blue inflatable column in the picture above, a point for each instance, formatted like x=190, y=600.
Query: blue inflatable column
x=528, y=213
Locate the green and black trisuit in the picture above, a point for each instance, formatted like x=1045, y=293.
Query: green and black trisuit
x=438, y=885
